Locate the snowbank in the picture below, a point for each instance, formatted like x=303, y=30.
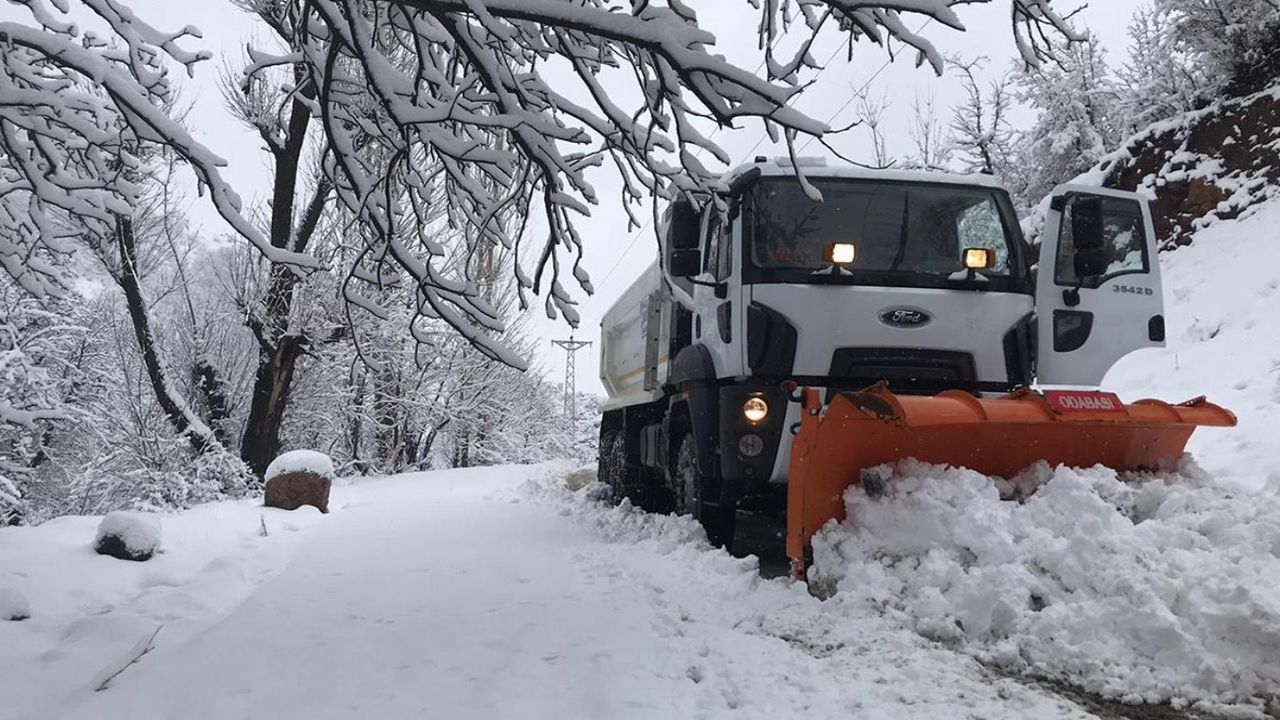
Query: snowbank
x=301, y=461
x=88, y=612
x=139, y=533
x=1222, y=296
x=1159, y=591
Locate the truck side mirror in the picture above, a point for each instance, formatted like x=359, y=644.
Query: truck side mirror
x=685, y=263
x=1088, y=237
x=685, y=229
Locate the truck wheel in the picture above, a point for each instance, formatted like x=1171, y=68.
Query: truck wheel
x=613, y=464
x=719, y=521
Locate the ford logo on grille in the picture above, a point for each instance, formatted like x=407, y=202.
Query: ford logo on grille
x=905, y=317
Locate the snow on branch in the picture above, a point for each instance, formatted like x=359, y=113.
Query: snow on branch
x=74, y=109
x=415, y=95
x=423, y=99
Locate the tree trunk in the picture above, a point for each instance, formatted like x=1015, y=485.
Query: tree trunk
x=175, y=408
x=214, y=393
x=261, y=442
x=278, y=351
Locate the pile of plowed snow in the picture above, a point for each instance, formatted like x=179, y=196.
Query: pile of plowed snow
x=1158, y=588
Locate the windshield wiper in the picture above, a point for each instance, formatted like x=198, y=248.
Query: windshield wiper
x=831, y=271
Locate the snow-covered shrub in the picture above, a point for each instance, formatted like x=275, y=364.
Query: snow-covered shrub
x=128, y=536
x=219, y=473
x=12, y=505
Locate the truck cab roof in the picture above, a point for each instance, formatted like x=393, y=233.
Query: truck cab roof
x=819, y=168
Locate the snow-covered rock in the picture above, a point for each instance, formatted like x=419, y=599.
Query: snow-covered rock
x=13, y=605
x=294, y=461
x=298, y=478
x=128, y=536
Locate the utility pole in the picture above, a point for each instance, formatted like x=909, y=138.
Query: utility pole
x=570, y=346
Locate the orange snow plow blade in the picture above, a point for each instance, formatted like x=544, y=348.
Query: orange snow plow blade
x=1001, y=437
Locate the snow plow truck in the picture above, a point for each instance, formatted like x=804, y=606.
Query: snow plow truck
x=788, y=343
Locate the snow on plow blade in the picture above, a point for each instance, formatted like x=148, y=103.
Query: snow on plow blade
x=1002, y=437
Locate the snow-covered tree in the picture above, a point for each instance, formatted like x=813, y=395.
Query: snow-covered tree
x=1238, y=40
x=869, y=115
x=932, y=143
x=34, y=343
x=77, y=106
x=1160, y=79
x=981, y=130
x=1074, y=101
x=456, y=88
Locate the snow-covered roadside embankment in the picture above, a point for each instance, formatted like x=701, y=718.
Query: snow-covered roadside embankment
x=87, y=612
x=1163, y=590
x=1222, y=296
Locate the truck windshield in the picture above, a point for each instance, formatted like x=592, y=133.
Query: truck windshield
x=906, y=234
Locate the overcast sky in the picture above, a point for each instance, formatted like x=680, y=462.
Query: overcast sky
x=614, y=256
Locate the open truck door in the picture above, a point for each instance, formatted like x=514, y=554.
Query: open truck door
x=1098, y=294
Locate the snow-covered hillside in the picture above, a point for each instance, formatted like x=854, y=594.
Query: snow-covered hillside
x=1222, y=297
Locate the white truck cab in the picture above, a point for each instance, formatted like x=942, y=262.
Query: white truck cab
x=918, y=279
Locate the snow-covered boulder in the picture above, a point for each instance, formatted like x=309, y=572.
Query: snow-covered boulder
x=128, y=536
x=13, y=605
x=297, y=478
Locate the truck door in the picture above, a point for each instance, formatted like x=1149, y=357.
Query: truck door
x=1098, y=294
x=717, y=297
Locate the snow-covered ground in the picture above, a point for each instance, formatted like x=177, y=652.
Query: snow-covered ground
x=491, y=593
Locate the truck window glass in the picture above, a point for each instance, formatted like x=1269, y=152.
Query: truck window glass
x=711, y=254
x=1124, y=243
x=906, y=234
x=721, y=237
x=979, y=226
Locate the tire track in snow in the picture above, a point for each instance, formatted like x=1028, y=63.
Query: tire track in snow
x=754, y=647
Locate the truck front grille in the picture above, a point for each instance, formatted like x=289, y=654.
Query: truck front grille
x=908, y=371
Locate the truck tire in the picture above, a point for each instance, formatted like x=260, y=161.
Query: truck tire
x=627, y=480
x=719, y=521
x=613, y=465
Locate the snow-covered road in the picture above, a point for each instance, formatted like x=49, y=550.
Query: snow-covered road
x=483, y=594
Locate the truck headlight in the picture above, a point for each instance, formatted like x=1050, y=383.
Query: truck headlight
x=751, y=445
x=755, y=410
